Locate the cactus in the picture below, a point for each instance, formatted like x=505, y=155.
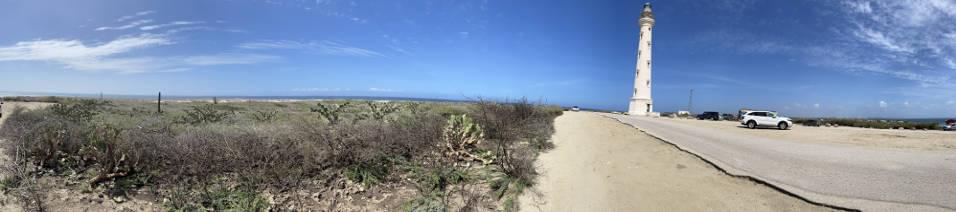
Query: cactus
x=379, y=111
x=462, y=136
x=330, y=112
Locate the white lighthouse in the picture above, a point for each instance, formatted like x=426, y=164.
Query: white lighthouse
x=641, y=103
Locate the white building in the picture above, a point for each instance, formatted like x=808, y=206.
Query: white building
x=641, y=103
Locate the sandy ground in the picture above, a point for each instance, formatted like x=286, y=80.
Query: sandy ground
x=852, y=136
x=600, y=164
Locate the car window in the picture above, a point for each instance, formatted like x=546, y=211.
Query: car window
x=760, y=114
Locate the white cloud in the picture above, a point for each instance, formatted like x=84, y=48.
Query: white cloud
x=138, y=14
x=382, y=90
x=322, y=47
x=883, y=104
x=67, y=51
x=175, y=23
x=127, y=26
x=278, y=44
x=227, y=59
x=859, y=6
x=817, y=105
x=76, y=55
x=879, y=39
x=951, y=102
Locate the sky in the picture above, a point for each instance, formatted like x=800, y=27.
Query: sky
x=846, y=58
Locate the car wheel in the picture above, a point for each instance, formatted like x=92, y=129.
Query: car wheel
x=782, y=125
x=752, y=124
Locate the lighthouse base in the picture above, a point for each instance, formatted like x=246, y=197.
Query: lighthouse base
x=641, y=107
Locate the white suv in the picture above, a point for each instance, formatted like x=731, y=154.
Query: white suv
x=754, y=119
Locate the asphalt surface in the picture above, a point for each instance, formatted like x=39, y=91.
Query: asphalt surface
x=868, y=179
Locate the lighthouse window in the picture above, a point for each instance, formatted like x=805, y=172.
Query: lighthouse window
x=648, y=83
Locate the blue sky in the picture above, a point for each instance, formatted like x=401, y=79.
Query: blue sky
x=854, y=58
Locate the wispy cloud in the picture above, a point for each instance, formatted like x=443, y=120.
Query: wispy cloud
x=912, y=40
x=127, y=26
x=77, y=55
x=228, y=59
x=71, y=51
x=906, y=39
x=322, y=47
x=138, y=14
x=388, y=90
x=319, y=89
x=175, y=23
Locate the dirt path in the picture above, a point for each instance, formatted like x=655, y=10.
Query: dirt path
x=600, y=164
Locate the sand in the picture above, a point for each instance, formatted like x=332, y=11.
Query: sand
x=600, y=164
x=851, y=136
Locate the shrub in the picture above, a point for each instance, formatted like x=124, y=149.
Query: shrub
x=204, y=114
x=216, y=198
x=265, y=116
x=191, y=164
x=78, y=110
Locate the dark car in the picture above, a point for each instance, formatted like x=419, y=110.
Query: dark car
x=709, y=115
x=731, y=117
x=812, y=122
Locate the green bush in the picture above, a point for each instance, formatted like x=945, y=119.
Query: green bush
x=205, y=114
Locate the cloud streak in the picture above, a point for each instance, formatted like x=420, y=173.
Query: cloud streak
x=170, y=24
x=138, y=14
x=77, y=55
x=322, y=47
x=127, y=26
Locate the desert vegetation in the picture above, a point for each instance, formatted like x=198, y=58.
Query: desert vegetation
x=875, y=124
x=258, y=156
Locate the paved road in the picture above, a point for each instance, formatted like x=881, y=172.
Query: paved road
x=860, y=178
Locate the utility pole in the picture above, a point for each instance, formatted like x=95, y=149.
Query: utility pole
x=690, y=101
x=159, y=105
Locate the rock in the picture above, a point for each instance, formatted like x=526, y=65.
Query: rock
x=119, y=199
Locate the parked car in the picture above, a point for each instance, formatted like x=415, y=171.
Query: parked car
x=575, y=109
x=726, y=116
x=709, y=115
x=754, y=119
x=950, y=125
x=812, y=123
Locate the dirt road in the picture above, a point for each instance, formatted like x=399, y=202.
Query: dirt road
x=600, y=164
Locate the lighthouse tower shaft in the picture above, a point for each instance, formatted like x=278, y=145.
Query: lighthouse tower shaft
x=641, y=103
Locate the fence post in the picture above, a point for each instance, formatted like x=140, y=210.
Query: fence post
x=159, y=103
